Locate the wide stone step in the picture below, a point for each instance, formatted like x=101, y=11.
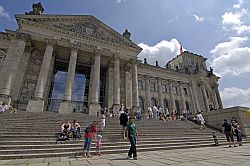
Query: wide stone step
x=107, y=147
x=52, y=141
x=105, y=144
x=79, y=153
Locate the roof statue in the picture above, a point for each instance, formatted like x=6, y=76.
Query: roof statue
x=37, y=9
x=145, y=61
x=156, y=63
x=127, y=34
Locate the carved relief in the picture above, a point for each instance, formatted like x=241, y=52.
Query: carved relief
x=90, y=28
x=30, y=78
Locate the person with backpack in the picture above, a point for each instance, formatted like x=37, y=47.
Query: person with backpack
x=123, y=122
x=89, y=132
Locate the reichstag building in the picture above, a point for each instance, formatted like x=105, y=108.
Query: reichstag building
x=61, y=62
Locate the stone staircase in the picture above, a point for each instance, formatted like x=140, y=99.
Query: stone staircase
x=32, y=135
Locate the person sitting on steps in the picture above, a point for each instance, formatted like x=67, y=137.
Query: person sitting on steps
x=65, y=128
x=75, y=129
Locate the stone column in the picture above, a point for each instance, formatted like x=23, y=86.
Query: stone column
x=195, y=93
x=204, y=95
x=218, y=97
x=182, y=97
x=128, y=80
x=66, y=106
x=147, y=88
x=194, y=107
x=135, y=92
x=37, y=103
x=110, y=85
x=172, y=102
x=116, y=85
x=94, y=105
x=10, y=66
x=160, y=92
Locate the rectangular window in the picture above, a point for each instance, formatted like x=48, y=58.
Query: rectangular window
x=152, y=87
x=140, y=84
x=185, y=91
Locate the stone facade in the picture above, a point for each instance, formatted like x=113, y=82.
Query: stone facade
x=58, y=62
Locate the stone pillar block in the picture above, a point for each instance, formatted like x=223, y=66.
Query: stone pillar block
x=66, y=107
x=116, y=108
x=35, y=105
x=94, y=108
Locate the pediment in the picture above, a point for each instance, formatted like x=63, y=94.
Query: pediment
x=85, y=25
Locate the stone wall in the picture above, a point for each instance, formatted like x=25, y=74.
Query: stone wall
x=242, y=114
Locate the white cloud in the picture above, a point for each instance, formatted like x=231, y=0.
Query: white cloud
x=163, y=52
x=3, y=13
x=238, y=5
x=233, y=20
x=235, y=96
x=231, y=57
x=223, y=48
x=119, y=1
x=197, y=18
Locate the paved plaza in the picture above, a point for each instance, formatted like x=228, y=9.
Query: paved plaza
x=208, y=156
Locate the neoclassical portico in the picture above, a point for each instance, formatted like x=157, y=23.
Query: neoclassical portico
x=79, y=63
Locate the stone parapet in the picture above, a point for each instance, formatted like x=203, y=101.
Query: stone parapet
x=242, y=114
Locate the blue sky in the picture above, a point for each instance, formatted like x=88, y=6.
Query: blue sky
x=216, y=29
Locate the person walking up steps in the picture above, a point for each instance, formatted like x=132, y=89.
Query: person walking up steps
x=132, y=135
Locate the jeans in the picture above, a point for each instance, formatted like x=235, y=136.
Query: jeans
x=87, y=144
x=132, y=150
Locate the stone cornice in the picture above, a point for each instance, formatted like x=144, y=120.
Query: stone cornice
x=23, y=20
x=4, y=36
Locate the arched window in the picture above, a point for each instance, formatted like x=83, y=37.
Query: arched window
x=141, y=102
x=165, y=103
x=153, y=102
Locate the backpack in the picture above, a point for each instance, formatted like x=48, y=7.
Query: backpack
x=61, y=137
x=87, y=129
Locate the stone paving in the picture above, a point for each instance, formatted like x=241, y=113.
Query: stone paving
x=206, y=156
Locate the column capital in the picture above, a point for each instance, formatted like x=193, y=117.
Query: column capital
x=97, y=52
x=159, y=79
x=116, y=57
x=147, y=77
x=170, y=81
x=135, y=61
x=75, y=46
x=49, y=41
x=23, y=36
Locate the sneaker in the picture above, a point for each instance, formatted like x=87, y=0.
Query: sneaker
x=84, y=155
x=129, y=158
x=235, y=146
x=230, y=146
x=135, y=158
x=88, y=155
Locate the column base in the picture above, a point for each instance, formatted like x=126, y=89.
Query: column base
x=94, y=108
x=66, y=107
x=35, y=105
x=133, y=110
x=5, y=98
x=116, y=108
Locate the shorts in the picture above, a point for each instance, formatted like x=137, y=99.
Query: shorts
x=229, y=136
